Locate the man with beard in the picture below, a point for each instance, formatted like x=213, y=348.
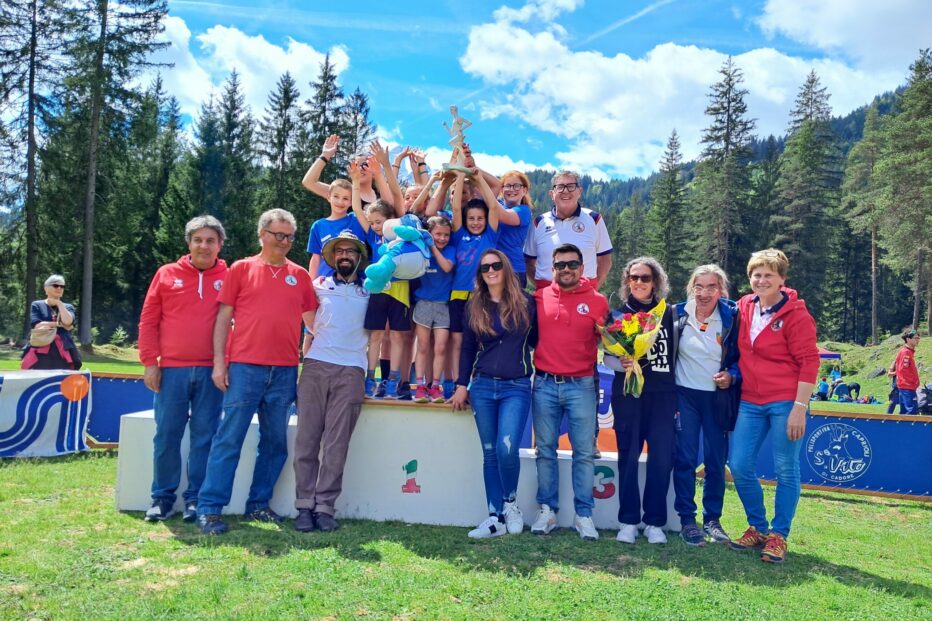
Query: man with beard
x=332, y=384
x=267, y=296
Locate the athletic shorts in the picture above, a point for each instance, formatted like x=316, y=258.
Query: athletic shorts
x=382, y=308
x=432, y=314
x=457, y=311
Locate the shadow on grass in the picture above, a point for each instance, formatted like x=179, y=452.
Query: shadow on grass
x=855, y=499
x=525, y=554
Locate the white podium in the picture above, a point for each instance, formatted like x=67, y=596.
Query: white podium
x=414, y=463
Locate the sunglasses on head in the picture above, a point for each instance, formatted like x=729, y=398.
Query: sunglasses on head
x=486, y=267
x=644, y=278
x=562, y=265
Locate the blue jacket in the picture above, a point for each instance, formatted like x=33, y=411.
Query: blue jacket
x=728, y=311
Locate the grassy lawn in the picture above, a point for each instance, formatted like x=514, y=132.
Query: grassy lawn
x=66, y=553
x=105, y=359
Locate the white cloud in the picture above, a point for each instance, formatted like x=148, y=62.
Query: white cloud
x=199, y=73
x=880, y=35
x=617, y=111
x=545, y=10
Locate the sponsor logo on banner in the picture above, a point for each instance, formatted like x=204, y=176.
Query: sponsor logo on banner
x=44, y=416
x=838, y=452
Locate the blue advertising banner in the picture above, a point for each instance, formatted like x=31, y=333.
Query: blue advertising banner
x=872, y=453
x=115, y=396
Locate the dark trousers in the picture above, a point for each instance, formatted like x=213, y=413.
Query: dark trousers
x=697, y=418
x=649, y=417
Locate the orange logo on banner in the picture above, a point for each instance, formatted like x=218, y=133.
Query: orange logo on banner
x=75, y=387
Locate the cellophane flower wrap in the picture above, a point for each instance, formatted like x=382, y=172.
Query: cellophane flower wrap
x=632, y=336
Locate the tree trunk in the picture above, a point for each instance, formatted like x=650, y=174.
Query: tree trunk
x=874, y=274
x=32, y=217
x=917, y=295
x=928, y=306
x=90, y=193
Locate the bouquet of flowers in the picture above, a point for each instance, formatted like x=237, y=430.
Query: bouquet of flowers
x=631, y=337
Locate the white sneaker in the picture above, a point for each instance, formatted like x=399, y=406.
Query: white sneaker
x=586, y=528
x=514, y=519
x=546, y=521
x=488, y=529
x=628, y=533
x=655, y=535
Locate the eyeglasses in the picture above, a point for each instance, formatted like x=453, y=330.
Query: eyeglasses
x=281, y=236
x=564, y=187
x=349, y=251
x=485, y=268
x=562, y=265
x=644, y=278
x=699, y=289
x=512, y=186
x=57, y=286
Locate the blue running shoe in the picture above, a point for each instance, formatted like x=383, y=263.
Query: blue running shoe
x=380, y=390
x=391, y=389
x=449, y=387
x=371, y=386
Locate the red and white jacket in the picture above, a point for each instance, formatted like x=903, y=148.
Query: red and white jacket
x=567, y=342
x=177, y=322
x=782, y=355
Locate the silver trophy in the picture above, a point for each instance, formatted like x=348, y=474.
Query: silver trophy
x=457, y=138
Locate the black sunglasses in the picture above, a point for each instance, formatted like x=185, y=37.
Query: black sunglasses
x=57, y=286
x=486, y=267
x=562, y=265
x=644, y=278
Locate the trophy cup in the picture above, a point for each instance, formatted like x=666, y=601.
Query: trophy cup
x=456, y=140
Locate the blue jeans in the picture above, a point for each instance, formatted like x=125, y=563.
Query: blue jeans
x=909, y=402
x=185, y=393
x=697, y=417
x=270, y=391
x=754, y=423
x=576, y=401
x=500, y=407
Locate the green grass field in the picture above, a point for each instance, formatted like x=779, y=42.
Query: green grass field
x=66, y=553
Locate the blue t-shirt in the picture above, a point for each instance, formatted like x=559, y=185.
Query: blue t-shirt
x=435, y=283
x=511, y=237
x=469, y=248
x=323, y=229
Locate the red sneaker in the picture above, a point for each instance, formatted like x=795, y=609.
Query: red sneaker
x=775, y=549
x=421, y=394
x=436, y=394
x=751, y=539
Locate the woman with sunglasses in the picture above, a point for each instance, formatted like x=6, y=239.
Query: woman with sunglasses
x=650, y=417
x=499, y=330
x=52, y=313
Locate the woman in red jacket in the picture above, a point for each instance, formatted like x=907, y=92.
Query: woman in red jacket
x=779, y=364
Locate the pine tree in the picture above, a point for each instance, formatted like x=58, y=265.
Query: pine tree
x=32, y=35
x=115, y=43
x=722, y=177
x=277, y=135
x=811, y=103
x=764, y=200
x=239, y=168
x=359, y=130
x=628, y=231
x=861, y=197
x=667, y=237
x=905, y=168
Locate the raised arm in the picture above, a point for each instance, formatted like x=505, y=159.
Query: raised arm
x=425, y=192
x=354, y=171
x=381, y=156
x=456, y=201
x=437, y=200
x=418, y=166
x=495, y=208
x=311, y=180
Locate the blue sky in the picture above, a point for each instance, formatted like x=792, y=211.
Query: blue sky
x=594, y=85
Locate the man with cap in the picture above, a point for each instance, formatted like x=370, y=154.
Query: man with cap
x=332, y=384
x=266, y=296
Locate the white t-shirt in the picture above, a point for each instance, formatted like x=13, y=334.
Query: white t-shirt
x=699, y=355
x=339, y=336
x=585, y=229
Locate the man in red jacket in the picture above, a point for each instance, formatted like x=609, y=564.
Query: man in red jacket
x=567, y=313
x=176, y=348
x=907, y=373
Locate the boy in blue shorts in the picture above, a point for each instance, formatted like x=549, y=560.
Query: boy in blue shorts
x=432, y=313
